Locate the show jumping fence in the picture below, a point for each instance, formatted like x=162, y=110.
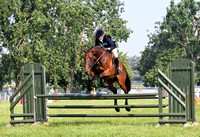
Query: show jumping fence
x=179, y=85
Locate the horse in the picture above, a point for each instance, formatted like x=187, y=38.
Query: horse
x=99, y=61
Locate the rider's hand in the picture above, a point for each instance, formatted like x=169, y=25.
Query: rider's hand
x=107, y=49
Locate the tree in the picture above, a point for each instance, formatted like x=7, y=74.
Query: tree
x=23, y=29
x=151, y=77
x=53, y=34
x=182, y=22
x=125, y=62
x=133, y=63
x=178, y=32
x=80, y=21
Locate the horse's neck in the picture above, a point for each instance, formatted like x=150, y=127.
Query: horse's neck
x=101, y=54
x=98, y=53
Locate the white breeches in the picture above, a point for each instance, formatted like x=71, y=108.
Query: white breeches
x=115, y=52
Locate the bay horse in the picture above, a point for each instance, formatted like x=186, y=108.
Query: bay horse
x=99, y=61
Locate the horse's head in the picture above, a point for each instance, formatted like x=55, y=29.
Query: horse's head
x=92, y=57
x=89, y=61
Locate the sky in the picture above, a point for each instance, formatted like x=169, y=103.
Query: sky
x=141, y=16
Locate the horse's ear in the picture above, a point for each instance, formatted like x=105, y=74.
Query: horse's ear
x=84, y=50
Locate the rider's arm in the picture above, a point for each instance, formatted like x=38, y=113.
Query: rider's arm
x=97, y=42
x=110, y=42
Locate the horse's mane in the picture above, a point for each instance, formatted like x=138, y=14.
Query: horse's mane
x=98, y=48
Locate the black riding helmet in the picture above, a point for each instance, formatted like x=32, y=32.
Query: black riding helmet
x=99, y=33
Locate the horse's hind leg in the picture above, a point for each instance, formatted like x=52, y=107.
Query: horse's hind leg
x=114, y=90
x=126, y=103
x=123, y=86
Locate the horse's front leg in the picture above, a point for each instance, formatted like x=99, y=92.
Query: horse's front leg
x=114, y=90
x=89, y=87
x=104, y=73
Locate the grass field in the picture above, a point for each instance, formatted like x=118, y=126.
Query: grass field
x=96, y=127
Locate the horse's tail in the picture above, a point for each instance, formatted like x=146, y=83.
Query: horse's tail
x=128, y=82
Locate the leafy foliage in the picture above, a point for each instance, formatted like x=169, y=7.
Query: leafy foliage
x=151, y=77
x=53, y=34
x=177, y=36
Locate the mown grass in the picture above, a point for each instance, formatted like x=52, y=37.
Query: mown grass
x=137, y=86
x=96, y=127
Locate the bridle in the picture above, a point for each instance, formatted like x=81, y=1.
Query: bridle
x=92, y=65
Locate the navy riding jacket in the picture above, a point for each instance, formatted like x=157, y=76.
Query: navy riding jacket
x=107, y=42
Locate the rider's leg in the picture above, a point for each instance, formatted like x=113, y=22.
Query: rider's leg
x=116, y=60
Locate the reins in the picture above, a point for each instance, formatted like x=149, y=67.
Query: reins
x=96, y=60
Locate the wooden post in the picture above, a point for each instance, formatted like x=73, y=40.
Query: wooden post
x=160, y=94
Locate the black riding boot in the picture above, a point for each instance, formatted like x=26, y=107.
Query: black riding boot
x=118, y=71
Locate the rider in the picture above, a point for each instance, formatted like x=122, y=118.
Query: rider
x=102, y=39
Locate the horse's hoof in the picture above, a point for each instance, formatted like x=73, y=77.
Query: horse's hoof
x=117, y=109
x=128, y=109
